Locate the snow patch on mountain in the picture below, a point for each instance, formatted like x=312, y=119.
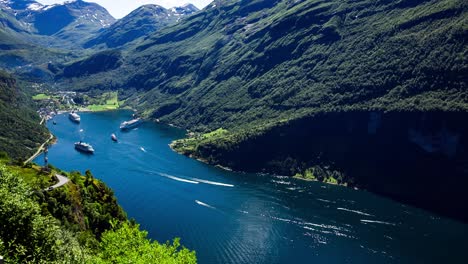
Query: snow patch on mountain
x=35, y=7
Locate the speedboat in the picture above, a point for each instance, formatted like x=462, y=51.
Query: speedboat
x=114, y=137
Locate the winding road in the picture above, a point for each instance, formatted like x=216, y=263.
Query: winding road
x=39, y=150
x=62, y=181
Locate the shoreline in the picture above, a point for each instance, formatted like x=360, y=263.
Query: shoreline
x=231, y=170
x=203, y=160
x=86, y=110
x=191, y=156
x=331, y=183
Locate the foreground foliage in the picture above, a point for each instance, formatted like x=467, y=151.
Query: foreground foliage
x=78, y=223
x=28, y=236
x=130, y=245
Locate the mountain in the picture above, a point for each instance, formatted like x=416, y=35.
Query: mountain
x=33, y=35
x=21, y=51
x=185, y=10
x=141, y=22
x=9, y=20
x=72, y=21
x=20, y=5
x=315, y=87
x=9, y=27
x=272, y=60
x=99, y=62
x=20, y=133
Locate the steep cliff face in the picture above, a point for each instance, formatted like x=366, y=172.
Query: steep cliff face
x=415, y=157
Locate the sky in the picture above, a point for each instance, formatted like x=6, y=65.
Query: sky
x=120, y=8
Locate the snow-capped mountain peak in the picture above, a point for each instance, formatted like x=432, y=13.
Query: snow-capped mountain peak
x=183, y=10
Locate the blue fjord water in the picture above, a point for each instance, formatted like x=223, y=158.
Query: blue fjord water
x=232, y=217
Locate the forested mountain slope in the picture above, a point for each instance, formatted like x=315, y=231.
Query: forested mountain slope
x=20, y=132
x=241, y=62
x=19, y=48
x=28, y=53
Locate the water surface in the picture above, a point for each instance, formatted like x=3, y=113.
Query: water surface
x=232, y=217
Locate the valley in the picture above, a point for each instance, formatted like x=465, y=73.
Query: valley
x=232, y=217
x=371, y=95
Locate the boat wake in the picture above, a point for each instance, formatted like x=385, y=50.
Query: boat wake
x=204, y=204
x=325, y=201
x=177, y=178
x=376, y=222
x=320, y=228
x=213, y=183
x=188, y=180
x=281, y=182
x=353, y=211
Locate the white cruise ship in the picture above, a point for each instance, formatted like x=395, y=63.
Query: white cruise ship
x=130, y=124
x=74, y=117
x=84, y=147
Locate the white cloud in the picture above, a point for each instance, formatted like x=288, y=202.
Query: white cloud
x=120, y=8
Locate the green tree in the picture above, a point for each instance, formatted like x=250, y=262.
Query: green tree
x=128, y=244
x=27, y=236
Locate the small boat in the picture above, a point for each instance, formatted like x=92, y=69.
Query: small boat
x=84, y=147
x=53, y=122
x=114, y=137
x=130, y=124
x=74, y=117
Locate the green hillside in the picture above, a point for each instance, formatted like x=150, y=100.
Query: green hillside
x=254, y=62
x=98, y=62
x=80, y=222
x=13, y=49
x=20, y=133
x=27, y=54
